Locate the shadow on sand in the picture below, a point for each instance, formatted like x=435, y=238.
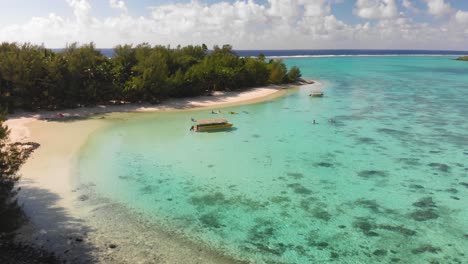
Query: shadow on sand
x=52, y=228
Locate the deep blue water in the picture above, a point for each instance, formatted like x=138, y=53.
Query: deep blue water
x=326, y=52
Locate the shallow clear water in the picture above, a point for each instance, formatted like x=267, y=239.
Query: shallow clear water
x=387, y=181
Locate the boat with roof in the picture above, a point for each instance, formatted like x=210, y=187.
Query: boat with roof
x=211, y=125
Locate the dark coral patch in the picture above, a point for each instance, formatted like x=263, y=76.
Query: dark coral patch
x=440, y=166
x=464, y=184
x=372, y=174
x=400, y=229
x=452, y=190
x=425, y=202
x=280, y=199
x=369, y=204
x=324, y=164
x=295, y=175
x=410, y=161
x=426, y=248
x=321, y=214
x=365, y=227
x=208, y=199
x=365, y=140
x=424, y=215
x=334, y=255
x=393, y=132
x=210, y=220
x=380, y=252
x=297, y=188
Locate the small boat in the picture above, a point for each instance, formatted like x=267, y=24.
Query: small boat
x=316, y=94
x=212, y=125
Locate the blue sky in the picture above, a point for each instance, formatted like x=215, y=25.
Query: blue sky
x=251, y=24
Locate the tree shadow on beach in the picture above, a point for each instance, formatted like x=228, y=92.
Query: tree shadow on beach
x=52, y=228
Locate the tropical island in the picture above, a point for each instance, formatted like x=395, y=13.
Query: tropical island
x=35, y=78
x=462, y=58
x=79, y=81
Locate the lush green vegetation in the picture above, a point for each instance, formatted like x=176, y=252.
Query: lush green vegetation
x=33, y=77
x=463, y=58
x=11, y=158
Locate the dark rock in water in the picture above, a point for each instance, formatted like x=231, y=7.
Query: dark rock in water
x=112, y=246
x=372, y=174
x=426, y=248
x=435, y=151
x=400, y=229
x=416, y=186
x=425, y=202
x=424, y=215
x=440, y=166
x=395, y=260
x=83, y=198
x=455, y=198
x=464, y=184
x=342, y=226
x=380, y=252
x=452, y=190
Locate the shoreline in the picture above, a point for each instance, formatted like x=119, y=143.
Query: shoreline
x=48, y=194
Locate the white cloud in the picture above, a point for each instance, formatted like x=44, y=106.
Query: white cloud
x=376, y=9
x=119, y=5
x=461, y=17
x=408, y=4
x=246, y=24
x=438, y=7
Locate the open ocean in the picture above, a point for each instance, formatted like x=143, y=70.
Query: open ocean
x=385, y=182
x=318, y=53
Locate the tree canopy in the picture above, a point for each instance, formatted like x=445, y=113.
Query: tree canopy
x=33, y=77
x=11, y=158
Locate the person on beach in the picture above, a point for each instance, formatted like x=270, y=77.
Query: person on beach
x=193, y=119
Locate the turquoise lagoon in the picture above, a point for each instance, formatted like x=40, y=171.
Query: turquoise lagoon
x=387, y=181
